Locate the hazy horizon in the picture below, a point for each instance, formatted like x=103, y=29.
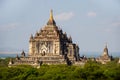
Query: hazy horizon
x=87, y=54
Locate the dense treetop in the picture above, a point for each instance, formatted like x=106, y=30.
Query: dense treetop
x=90, y=71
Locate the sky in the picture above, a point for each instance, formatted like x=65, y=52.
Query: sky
x=91, y=23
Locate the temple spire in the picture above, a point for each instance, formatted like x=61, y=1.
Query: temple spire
x=31, y=37
x=106, y=45
x=105, y=50
x=51, y=15
x=51, y=19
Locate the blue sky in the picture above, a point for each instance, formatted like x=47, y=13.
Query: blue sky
x=91, y=23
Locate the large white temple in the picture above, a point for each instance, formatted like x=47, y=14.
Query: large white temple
x=50, y=45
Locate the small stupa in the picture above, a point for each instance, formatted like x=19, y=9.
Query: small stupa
x=104, y=58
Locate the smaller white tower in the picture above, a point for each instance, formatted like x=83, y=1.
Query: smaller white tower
x=31, y=45
x=119, y=61
x=10, y=63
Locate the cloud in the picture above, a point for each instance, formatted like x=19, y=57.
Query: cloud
x=8, y=26
x=116, y=24
x=64, y=16
x=108, y=30
x=91, y=14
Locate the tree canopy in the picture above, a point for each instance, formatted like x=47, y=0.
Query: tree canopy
x=91, y=71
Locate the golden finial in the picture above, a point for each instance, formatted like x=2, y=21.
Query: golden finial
x=51, y=20
x=51, y=15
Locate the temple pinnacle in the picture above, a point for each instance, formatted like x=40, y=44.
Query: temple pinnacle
x=51, y=15
x=51, y=19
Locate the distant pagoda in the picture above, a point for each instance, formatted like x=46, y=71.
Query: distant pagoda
x=104, y=58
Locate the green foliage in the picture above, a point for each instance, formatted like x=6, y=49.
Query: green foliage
x=4, y=62
x=91, y=71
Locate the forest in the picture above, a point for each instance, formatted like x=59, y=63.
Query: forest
x=90, y=71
